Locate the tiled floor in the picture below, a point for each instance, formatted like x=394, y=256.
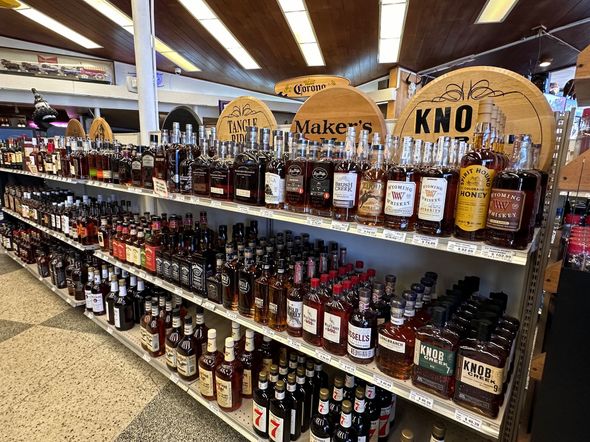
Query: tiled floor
x=64, y=378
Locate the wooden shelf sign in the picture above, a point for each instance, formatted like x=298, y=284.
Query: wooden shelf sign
x=241, y=113
x=100, y=129
x=575, y=175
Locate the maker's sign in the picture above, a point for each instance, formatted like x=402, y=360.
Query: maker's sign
x=308, y=85
x=241, y=113
x=328, y=113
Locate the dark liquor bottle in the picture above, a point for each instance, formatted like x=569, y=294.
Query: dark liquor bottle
x=249, y=169
x=279, y=422
x=143, y=323
x=336, y=317
x=201, y=330
x=320, y=183
x=229, y=280
x=200, y=170
x=188, y=353
x=123, y=309
x=360, y=420
x=148, y=164
x=155, y=333
x=160, y=158
x=136, y=168
x=296, y=179
x=208, y=363
x=395, y=354
x=321, y=428
x=514, y=200
x=387, y=403
x=261, y=293
x=372, y=410
x=124, y=162
x=265, y=354
x=277, y=298
x=344, y=431
x=434, y=356
x=260, y=404
x=349, y=383
x=247, y=277
x=336, y=399
x=185, y=170
x=313, y=314
x=309, y=387
x=296, y=398
x=295, y=302
x=221, y=174
x=301, y=396
x=362, y=331
x=250, y=365
x=174, y=156
x=346, y=181
x=228, y=379
x=111, y=299
x=98, y=296
x=173, y=339
x=215, y=281
x=274, y=178
x=401, y=195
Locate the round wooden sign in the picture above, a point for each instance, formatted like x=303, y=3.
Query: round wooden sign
x=308, y=85
x=449, y=105
x=75, y=129
x=328, y=113
x=241, y=113
x=100, y=129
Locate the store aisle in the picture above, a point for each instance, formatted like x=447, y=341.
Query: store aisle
x=64, y=378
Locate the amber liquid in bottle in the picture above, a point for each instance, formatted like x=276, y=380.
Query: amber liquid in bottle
x=347, y=181
x=250, y=365
x=188, y=353
x=277, y=299
x=173, y=339
x=208, y=363
x=320, y=182
x=372, y=190
x=395, y=352
x=313, y=314
x=228, y=379
x=336, y=316
x=261, y=293
x=362, y=331
x=296, y=192
x=247, y=277
x=155, y=333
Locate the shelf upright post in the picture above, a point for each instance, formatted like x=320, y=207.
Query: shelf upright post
x=145, y=67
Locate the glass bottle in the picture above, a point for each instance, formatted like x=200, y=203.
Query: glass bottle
x=148, y=164
x=313, y=314
x=372, y=190
x=261, y=293
x=336, y=316
x=200, y=331
x=208, y=363
x=188, y=353
x=98, y=296
x=250, y=365
x=372, y=410
x=249, y=167
x=111, y=299
x=265, y=353
x=174, y=156
x=321, y=428
x=277, y=298
x=279, y=415
x=387, y=405
x=221, y=176
x=173, y=339
x=200, y=171
x=247, y=277
x=344, y=431
x=320, y=181
x=185, y=182
x=228, y=379
x=274, y=178
x=360, y=420
x=260, y=404
x=296, y=193
x=362, y=330
x=123, y=309
x=88, y=288
x=395, y=352
x=155, y=333
x=136, y=168
x=214, y=282
x=336, y=399
x=346, y=181
x=295, y=302
x=229, y=280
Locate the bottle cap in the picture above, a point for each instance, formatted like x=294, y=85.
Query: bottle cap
x=439, y=430
x=280, y=385
x=346, y=406
x=262, y=376
x=274, y=368
x=291, y=378
x=407, y=436
x=439, y=316
x=212, y=333
x=484, y=329
x=339, y=381
x=359, y=393
x=300, y=371
x=324, y=394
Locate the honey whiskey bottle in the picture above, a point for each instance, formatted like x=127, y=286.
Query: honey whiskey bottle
x=188, y=353
x=208, y=363
x=228, y=379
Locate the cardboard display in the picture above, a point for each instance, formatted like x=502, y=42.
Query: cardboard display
x=100, y=129
x=309, y=85
x=75, y=129
x=240, y=113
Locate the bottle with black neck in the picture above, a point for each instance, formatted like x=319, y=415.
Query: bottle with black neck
x=260, y=405
x=372, y=410
x=360, y=420
x=279, y=416
x=188, y=353
x=336, y=399
x=111, y=299
x=174, y=157
x=208, y=363
x=295, y=396
x=249, y=170
x=309, y=387
x=123, y=309
x=228, y=379
x=274, y=181
x=301, y=394
x=173, y=339
x=344, y=431
x=321, y=428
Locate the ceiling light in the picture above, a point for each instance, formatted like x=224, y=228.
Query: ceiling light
x=297, y=16
x=201, y=11
x=114, y=14
x=55, y=26
x=391, y=26
x=495, y=11
x=545, y=62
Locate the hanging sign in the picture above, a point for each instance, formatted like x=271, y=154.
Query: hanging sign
x=448, y=106
x=307, y=86
x=328, y=113
x=241, y=113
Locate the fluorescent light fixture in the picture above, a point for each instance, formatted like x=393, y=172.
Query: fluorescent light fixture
x=391, y=26
x=495, y=11
x=297, y=16
x=201, y=11
x=55, y=26
x=545, y=62
x=119, y=17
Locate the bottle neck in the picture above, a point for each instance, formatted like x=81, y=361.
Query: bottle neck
x=211, y=345
x=229, y=353
x=359, y=405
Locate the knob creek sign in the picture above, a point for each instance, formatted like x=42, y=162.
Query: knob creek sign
x=241, y=113
x=309, y=85
x=328, y=113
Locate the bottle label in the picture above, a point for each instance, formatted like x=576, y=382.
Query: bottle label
x=294, y=314
x=147, y=161
x=150, y=257
x=473, y=197
x=247, y=382
x=117, y=317
x=136, y=256
x=274, y=188
x=433, y=194
x=101, y=240
x=433, y=358
x=384, y=421
x=275, y=427
x=88, y=297
x=319, y=188
x=294, y=180
x=97, y=303
x=332, y=327
x=259, y=417
x=212, y=292
x=186, y=365
x=359, y=337
x=371, y=195
x=128, y=253
x=360, y=354
x=344, y=190
x=392, y=344
x=399, y=198
x=206, y=382
x=198, y=277
x=243, y=192
x=480, y=375
x=174, y=271
x=505, y=211
x=373, y=430
x=345, y=420
x=217, y=190
x=293, y=421
x=310, y=320
x=154, y=341
x=170, y=356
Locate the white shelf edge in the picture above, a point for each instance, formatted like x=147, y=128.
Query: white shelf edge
x=404, y=389
x=447, y=244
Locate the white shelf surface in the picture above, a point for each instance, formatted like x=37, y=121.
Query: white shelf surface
x=53, y=233
x=62, y=293
x=453, y=245
x=370, y=372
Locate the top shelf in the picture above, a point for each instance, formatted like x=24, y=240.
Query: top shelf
x=477, y=249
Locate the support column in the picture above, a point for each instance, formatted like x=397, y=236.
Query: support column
x=145, y=68
x=97, y=112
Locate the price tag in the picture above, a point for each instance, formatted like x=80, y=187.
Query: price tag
x=267, y=213
x=293, y=343
x=323, y=356
x=142, y=274
x=383, y=383
x=40, y=278
x=269, y=332
x=468, y=419
x=366, y=230
x=178, y=291
x=419, y=398
x=160, y=187
x=243, y=209
x=348, y=367
x=394, y=235
x=109, y=330
x=109, y=186
x=174, y=378
x=340, y=226
x=232, y=315
x=423, y=240
x=464, y=248
x=497, y=253
x=209, y=305
x=314, y=221
x=215, y=203
x=214, y=408
x=147, y=358
x=90, y=315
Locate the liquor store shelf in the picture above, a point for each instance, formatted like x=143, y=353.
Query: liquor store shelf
x=53, y=233
x=369, y=373
x=452, y=245
x=62, y=293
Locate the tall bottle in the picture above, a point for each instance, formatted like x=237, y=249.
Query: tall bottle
x=228, y=379
x=260, y=405
x=221, y=174
x=362, y=330
x=296, y=398
x=296, y=192
x=155, y=333
x=174, y=158
x=336, y=316
x=277, y=298
x=274, y=178
x=208, y=363
x=250, y=365
x=478, y=168
x=321, y=428
x=249, y=169
x=346, y=181
x=188, y=353
x=372, y=190
x=344, y=431
x=123, y=309
x=360, y=420
x=295, y=302
x=148, y=164
x=173, y=339
x=313, y=314
x=279, y=415
x=247, y=278
x=321, y=181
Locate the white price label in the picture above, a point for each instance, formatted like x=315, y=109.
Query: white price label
x=69, y=301
x=366, y=230
x=340, y=226
x=214, y=408
x=215, y=203
x=348, y=367
x=268, y=332
x=423, y=240
x=314, y=221
x=382, y=382
x=142, y=274
x=323, y=356
x=209, y=305
x=464, y=248
x=109, y=186
x=243, y=209
x=109, y=330
x=267, y=213
x=40, y=278
x=421, y=399
x=232, y=315
x=90, y=315
x=468, y=419
x=53, y=289
x=178, y=291
x=174, y=378
x=147, y=357
x=497, y=253
x=293, y=343
x=394, y=235
x=198, y=300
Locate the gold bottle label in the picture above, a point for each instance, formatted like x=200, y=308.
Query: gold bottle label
x=224, y=393
x=247, y=382
x=475, y=185
x=206, y=382
x=371, y=198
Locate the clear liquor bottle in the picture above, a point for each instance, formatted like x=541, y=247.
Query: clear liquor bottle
x=372, y=190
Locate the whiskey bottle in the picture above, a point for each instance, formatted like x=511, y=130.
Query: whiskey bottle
x=372, y=410
x=320, y=181
x=346, y=181
x=173, y=159
x=274, y=178
x=296, y=193
x=145, y=319
x=310, y=400
x=200, y=170
x=261, y=293
x=434, y=356
x=136, y=168
x=395, y=352
x=155, y=333
x=201, y=330
x=221, y=174
x=249, y=169
x=260, y=405
x=229, y=280
x=514, y=200
x=336, y=399
x=98, y=296
x=362, y=331
x=273, y=376
x=321, y=428
x=88, y=288
x=372, y=190
x=148, y=164
x=239, y=340
x=277, y=298
x=478, y=168
x=208, y=363
x=228, y=379
x=265, y=354
x=173, y=339
x=111, y=299
x=295, y=397
x=250, y=365
x=185, y=170
x=301, y=395
x=295, y=302
x=360, y=420
x=344, y=431
x=387, y=404
x=214, y=282
x=188, y=353
x=247, y=277
x=123, y=309
x=161, y=159
x=336, y=316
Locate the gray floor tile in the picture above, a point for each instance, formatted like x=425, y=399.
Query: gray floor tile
x=7, y=264
x=73, y=319
x=172, y=416
x=8, y=329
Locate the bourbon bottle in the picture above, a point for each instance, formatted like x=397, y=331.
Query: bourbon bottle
x=372, y=190
x=155, y=333
x=249, y=168
x=362, y=330
x=346, y=182
x=321, y=181
x=313, y=314
x=295, y=302
x=277, y=298
x=336, y=316
x=296, y=192
x=247, y=278
x=395, y=353
x=261, y=293
x=250, y=365
x=173, y=339
x=208, y=363
x=221, y=175
x=274, y=178
x=188, y=353
x=228, y=379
